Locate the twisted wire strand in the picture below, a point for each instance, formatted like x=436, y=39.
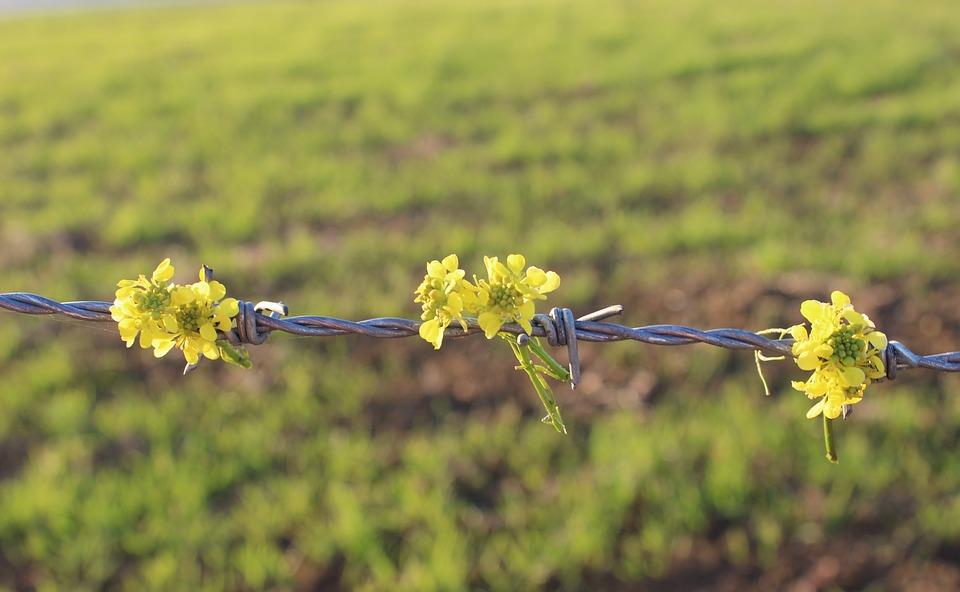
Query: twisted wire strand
x=253, y=327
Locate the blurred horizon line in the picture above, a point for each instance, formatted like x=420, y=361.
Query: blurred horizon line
x=16, y=8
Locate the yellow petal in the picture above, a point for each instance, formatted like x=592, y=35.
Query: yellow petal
x=161, y=347
x=126, y=293
x=525, y=323
x=116, y=311
x=128, y=308
x=211, y=351
x=454, y=303
x=222, y=322
x=191, y=355
x=430, y=331
x=490, y=323
x=170, y=323
x=823, y=350
x=798, y=332
x=815, y=410
x=854, y=398
x=483, y=296
x=146, y=339
x=435, y=269
x=208, y=332
x=527, y=310
x=451, y=262
x=470, y=298
x=536, y=277
x=552, y=282
x=812, y=310
x=838, y=298
x=128, y=327
x=877, y=339
x=490, y=263
x=229, y=307
x=201, y=290
x=182, y=295
x=216, y=290
x=853, y=317
x=816, y=388
x=516, y=262
x=163, y=272
x=832, y=409
x=808, y=361
x=128, y=330
x=852, y=376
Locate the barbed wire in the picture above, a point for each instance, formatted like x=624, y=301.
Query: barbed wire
x=560, y=328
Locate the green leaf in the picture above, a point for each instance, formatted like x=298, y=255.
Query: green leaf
x=234, y=354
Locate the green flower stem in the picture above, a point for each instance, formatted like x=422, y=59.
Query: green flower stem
x=234, y=354
x=543, y=391
x=556, y=370
x=828, y=439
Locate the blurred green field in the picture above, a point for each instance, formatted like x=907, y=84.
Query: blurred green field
x=696, y=162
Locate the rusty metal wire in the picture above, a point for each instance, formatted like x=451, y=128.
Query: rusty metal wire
x=253, y=326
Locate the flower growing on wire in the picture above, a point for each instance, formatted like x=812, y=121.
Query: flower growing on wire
x=442, y=294
x=844, y=352
x=168, y=315
x=200, y=310
x=143, y=306
x=843, y=349
x=509, y=293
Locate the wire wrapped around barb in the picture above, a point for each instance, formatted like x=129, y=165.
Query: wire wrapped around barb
x=245, y=331
x=247, y=321
x=890, y=360
x=897, y=356
x=253, y=327
x=560, y=329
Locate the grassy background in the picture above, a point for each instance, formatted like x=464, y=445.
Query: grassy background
x=698, y=163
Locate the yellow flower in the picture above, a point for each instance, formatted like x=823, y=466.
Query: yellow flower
x=442, y=294
x=143, y=306
x=509, y=293
x=166, y=315
x=842, y=348
x=199, y=310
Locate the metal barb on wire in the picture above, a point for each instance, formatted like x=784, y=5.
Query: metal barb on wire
x=560, y=328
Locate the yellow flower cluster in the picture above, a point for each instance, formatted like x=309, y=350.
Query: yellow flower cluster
x=441, y=293
x=168, y=315
x=507, y=295
x=842, y=348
